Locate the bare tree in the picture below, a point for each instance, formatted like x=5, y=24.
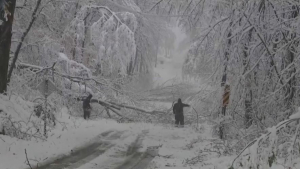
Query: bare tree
x=7, y=10
x=16, y=54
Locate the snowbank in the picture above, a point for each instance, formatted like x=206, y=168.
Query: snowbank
x=68, y=134
x=15, y=106
x=181, y=146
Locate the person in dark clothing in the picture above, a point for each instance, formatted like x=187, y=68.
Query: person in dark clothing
x=87, y=107
x=178, y=111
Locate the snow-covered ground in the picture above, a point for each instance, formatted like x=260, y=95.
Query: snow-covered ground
x=182, y=148
x=176, y=147
x=71, y=133
x=77, y=132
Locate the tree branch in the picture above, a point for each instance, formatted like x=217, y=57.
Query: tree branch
x=265, y=136
x=138, y=109
x=155, y=5
x=27, y=159
x=267, y=48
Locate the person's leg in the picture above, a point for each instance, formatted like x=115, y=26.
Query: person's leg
x=182, y=121
x=88, y=114
x=224, y=110
x=176, y=121
x=84, y=114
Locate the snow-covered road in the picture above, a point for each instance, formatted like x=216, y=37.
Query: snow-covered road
x=105, y=144
x=145, y=146
x=171, y=67
x=106, y=140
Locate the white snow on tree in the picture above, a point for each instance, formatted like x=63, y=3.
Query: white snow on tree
x=98, y=38
x=73, y=68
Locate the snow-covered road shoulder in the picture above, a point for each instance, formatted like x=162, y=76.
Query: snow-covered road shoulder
x=70, y=134
x=184, y=148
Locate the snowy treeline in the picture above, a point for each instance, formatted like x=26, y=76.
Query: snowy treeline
x=107, y=48
x=108, y=37
x=253, y=48
x=112, y=39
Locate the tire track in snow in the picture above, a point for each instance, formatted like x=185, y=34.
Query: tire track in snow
x=136, y=159
x=85, y=154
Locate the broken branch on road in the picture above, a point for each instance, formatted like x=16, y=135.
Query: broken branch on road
x=158, y=155
x=138, y=109
x=27, y=161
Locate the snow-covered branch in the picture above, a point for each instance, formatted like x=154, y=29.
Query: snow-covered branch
x=254, y=159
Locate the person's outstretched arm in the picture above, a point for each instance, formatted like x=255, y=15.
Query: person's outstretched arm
x=185, y=105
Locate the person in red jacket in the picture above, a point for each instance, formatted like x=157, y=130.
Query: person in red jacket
x=178, y=111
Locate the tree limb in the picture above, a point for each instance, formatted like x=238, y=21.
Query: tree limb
x=267, y=48
x=105, y=104
x=138, y=109
x=265, y=136
x=110, y=104
x=155, y=5
x=27, y=159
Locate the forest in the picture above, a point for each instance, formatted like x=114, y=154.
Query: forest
x=237, y=65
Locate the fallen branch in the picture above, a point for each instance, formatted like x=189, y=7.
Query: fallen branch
x=27, y=160
x=117, y=106
x=198, y=159
x=104, y=104
x=21, y=134
x=116, y=112
x=107, y=106
x=2, y=139
x=79, y=79
x=137, y=109
x=158, y=155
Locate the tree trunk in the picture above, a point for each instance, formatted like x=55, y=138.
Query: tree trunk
x=290, y=87
x=86, y=61
x=223, y=84
x=5, y=42
x=248, y=87
x=16, y=54
x=288, y=60
x=248, y=108
x=224, y=76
